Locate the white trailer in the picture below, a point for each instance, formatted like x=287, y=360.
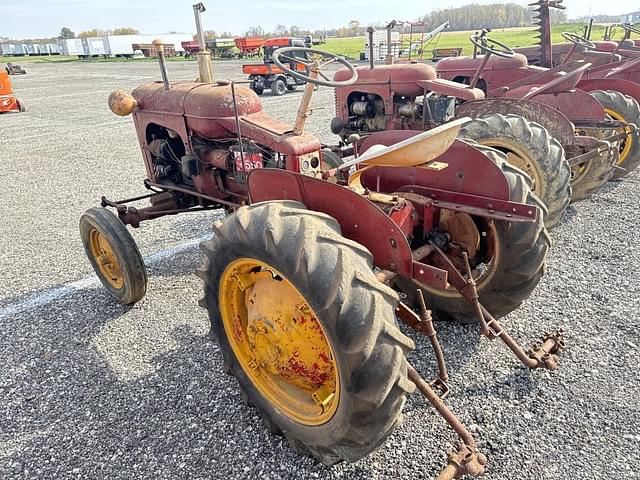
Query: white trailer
x=11, y=49
x=174, y=39
x=71, y=46
x=120, y=45
x=94, y=46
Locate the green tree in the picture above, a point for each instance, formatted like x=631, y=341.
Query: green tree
x=65, y=32
x=94, y=32
x=125, y=31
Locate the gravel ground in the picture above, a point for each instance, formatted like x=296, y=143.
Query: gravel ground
x=92, y=389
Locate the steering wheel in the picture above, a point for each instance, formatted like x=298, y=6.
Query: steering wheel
x=578, y=72
x=628, y=28
x=578, y=40
x=319, y=60
x=489, y=45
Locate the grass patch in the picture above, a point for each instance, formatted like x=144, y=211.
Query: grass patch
x=514, y=37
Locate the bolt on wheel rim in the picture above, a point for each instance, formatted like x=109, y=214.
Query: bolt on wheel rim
x=106, y=259
x=279, y=342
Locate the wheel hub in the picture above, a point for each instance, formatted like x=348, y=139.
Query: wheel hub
x=106, y=259
x=279, y=341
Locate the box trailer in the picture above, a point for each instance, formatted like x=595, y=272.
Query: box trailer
x=71, y=46
x=94, y=46
x=121, y=45
x=174, y=39
x=11, y=49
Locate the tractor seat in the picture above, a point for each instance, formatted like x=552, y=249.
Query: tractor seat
x=470, y=63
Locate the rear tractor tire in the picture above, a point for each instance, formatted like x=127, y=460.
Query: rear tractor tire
x=114, y=255
x=306, y=329
x=531, y=148
x=21, y=106
x=512, y=270
x=278, y=87
x=624, y=108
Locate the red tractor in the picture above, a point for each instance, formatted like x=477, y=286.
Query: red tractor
x=588, y=116
x=268, y=75
x=296, y=278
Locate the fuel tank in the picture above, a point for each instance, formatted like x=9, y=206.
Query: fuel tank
x=403, y=77
x=200, y=103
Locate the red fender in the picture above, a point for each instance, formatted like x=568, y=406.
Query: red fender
x=360, y=220
x=626, y=87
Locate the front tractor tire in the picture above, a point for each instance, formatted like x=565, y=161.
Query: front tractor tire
x=511, y=271
x=114, y=255
x=531, y=148
x=624, y=108
x=306, y=329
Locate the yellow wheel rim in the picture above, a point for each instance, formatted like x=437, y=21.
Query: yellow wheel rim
x=488, y=249
x=279, y=342
x=521, y=160
x=627, y=143
x=107, y=262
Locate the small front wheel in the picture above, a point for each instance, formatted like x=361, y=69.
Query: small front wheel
x=114, y=255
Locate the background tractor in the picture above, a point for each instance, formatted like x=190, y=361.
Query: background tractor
x=596, y=127
x=303, y=321
x=268, y=75
x=412, y=97
x=8, y=100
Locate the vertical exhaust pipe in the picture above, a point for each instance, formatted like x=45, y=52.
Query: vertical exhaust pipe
x=370, y=31
x=163, y=63
x=205, y=68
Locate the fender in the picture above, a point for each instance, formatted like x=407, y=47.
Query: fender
x=627, y=87
x=576, y=104
x=360, y=220
x=553, y=120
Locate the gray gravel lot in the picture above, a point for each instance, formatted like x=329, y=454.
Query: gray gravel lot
x=92, y=389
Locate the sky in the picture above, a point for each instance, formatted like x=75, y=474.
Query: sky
x=45, y=18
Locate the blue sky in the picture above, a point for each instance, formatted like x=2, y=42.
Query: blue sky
x=40, y=18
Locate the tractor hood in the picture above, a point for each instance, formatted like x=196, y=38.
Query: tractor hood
x=403, y=78
x=202, y=100
x=208, y=111
x=494, y=63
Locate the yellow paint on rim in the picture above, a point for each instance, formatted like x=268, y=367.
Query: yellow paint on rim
x=106, y=259
x=518, y=158
x=492, y=253
x=276, y=337
x=627, y=144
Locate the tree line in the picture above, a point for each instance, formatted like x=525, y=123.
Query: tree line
x=468, y=17
x=496, y=15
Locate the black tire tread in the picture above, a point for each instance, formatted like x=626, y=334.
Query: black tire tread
x=630, y=110
x=309, y=247
x=543, y=150
x=124, y=247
